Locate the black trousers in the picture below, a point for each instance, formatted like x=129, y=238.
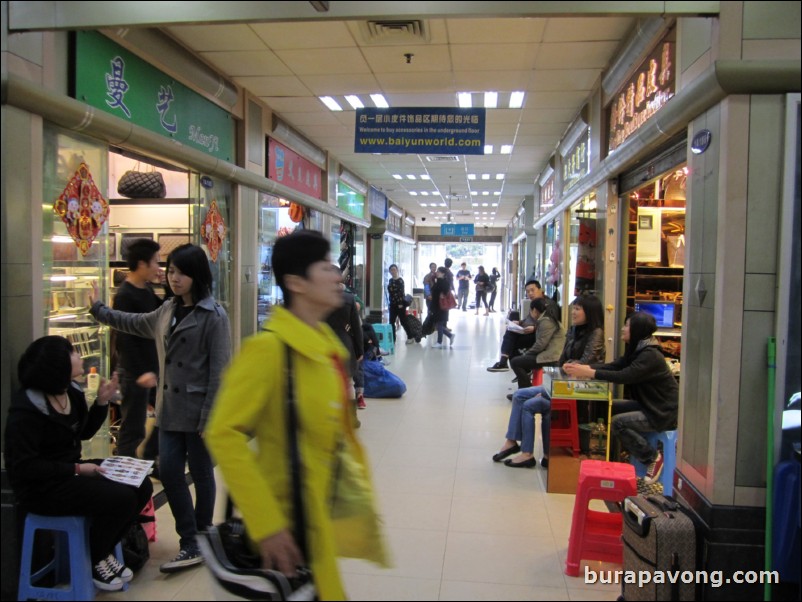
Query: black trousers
x=111, y=506
x=134, y=409
x=400, y=314
x=514, y=341
x=523, y=365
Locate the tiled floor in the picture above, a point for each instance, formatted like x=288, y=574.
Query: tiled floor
x=460, y=527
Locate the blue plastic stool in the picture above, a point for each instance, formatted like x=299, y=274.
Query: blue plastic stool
x=71, y=562
x=385, y=334
x=669, y=441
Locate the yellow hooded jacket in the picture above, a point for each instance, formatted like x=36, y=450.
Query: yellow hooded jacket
x=251, y=403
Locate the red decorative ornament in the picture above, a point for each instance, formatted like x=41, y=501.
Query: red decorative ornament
x=82, y=208
x=214, y=231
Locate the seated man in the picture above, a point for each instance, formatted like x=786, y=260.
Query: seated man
x=514, y=343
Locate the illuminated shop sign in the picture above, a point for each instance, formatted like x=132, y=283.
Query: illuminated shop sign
x=646, y=93
x=575, y=162
x=547, y=195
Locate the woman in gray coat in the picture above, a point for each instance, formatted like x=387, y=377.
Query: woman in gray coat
x=193, y=343
x=549, y=343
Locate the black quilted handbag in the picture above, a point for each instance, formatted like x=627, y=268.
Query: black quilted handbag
x=142, y=185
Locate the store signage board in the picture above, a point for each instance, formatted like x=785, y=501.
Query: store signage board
x=417, y=130
x=456, y=230
x=291, y=169
x=350, y=201
x=547, y=195
x=377, y=203
x=575, y=161
x=111, y=79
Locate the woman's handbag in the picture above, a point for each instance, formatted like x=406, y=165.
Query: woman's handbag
x=142, y=185
x=447, y=301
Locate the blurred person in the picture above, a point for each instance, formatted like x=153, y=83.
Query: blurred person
x=47, y=420
x=252, y=404
x=440, y=289
x=464, y=281
x=495, y=276
x=428, y=282
x=482, y=282
x=398, y=304
x=193, y=342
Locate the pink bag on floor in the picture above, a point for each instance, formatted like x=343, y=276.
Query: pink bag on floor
x=148, y=520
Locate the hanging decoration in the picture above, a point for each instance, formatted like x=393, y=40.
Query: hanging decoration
x=296, y=212
x=82, y=208
x=214, y=231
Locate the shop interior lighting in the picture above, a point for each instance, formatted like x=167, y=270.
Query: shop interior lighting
x=354, y=102
x=491, y=100
x=516, y=100
x=62, y=278
x=506, y=149
x=330, y=103
x=488, y=149
x=379, y=101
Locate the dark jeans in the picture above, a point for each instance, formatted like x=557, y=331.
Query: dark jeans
x=628, y=423
x=523, y=365
x=176, y=449
x=442, y=329
x=481, y=297
x=493, y=300
x=400, y=314
x=462, y=298
x=134, y=410
x=513, y=341
x=111, y=506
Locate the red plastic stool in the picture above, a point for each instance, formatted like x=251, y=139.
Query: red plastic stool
x=597, y=535
x=565, y=433
x=537, y=377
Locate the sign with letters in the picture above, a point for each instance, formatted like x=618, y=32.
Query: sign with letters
x=456, y=230
x=416, y=130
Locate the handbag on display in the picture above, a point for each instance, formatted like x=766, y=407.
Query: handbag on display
x=136, y=184
x=447, y=301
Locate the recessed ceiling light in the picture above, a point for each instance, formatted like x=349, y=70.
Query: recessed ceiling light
x=423, y=205
x=413, y=193
x=485, y=176
x=485, y=193
x=398, y=177
x=424, y=193
x=474, y=193
x=411, y=177
x=379, y=101
x=506, y=149
x=488, y=149
x=425, y=177
x=464, y=99
x=499, y=176
x=484, y=204
x=354, y=102
x=495, y=204
x=330, y=103
x=474, y=204
x=471, y=176
x=516, y=100
x=491, y=100
x=497, y=193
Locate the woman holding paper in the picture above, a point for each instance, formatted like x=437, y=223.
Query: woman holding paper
x=47, y=420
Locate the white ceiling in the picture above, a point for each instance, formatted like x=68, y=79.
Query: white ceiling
x=556, y=61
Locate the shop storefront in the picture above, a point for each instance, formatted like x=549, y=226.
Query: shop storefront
x=399, y=249
x=348, y=242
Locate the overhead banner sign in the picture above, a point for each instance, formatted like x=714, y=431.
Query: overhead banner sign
x=420, y=131
x=456, y=229
x=291, y=169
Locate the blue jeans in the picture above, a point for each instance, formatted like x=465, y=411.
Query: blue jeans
x=462, y=298
x=525, y=404
x=442, y=329
x=175, y=450
x=628, y=423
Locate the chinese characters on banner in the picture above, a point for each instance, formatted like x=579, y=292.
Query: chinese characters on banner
x=292, y=170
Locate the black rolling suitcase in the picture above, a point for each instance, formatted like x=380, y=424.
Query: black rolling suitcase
x=414, y=327
x=659, y=546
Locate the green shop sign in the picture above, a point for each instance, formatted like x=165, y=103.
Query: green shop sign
x=350, y=200
x=111, y=79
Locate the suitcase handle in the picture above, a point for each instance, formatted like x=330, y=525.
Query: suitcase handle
x=636, y=518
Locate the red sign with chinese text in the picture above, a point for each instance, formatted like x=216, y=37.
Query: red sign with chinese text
x=291, y=169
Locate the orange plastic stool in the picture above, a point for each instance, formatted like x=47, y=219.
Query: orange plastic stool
x=597, y=535
x=537, y=377
x=565, y=433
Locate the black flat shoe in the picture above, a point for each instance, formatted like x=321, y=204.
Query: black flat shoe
x=544, y=462
x=509, y=396
x=506, y=453
x=530, y=463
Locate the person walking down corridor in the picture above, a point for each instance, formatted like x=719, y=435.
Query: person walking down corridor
x=464, y=280
x=398, y=306
x=440, y=289
x=193, y=342
x=295, y=367
x=482, y=282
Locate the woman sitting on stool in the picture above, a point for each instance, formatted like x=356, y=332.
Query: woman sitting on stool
x=47, y=420
x=653, y=403
x=584, y=344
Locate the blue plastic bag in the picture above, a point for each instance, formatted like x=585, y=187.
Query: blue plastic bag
x=380, y=382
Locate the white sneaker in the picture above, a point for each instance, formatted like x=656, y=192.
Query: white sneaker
x=123, y=572
x=437, y=345
x=104, y=577
x=409, y=341
x=451, y=339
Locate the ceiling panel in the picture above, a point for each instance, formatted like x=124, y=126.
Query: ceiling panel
x=337, y=85
x=575, y=55
x=309, y=34
x=579, y=29
x=392, y=59
x=247, y=62
x=488, y=57
x=320, y=61
x=203, y=38
x=416, y=82
x=490, y=31
x=285, y=85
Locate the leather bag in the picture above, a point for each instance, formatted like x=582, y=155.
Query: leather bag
x=447, y=301
x=142, y=185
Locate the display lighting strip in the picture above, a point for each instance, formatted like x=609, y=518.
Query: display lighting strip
x=355, y=102
x=489, y=100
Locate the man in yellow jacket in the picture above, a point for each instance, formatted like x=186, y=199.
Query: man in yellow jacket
x=251, y=403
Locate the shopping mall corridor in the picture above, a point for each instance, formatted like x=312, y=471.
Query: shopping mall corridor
x=459, y=526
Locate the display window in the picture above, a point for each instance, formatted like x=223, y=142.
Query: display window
x=553, y=259
x=273, y=222
x=585, y=248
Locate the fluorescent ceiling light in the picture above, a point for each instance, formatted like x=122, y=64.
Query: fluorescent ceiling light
x=330, y=103
x=424, y=193
x=488, y=149
x=485, y=176
x=499, y=176
x=497, y=193
x=474, y=193
x=484, y=204
x=425, y=177
x=379, y=101
x=516, y=100
x=464, y=99
x=506, y=149
x=491, y=100
x=471, y=176
x=424, y=205
x=495, y=204
x=474, y=204
x=398, y=176
x=411, y=177
x=355, y=102
x=414, y=193
x=485, y=193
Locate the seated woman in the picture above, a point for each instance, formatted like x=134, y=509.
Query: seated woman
x=653, y=403
x=549, y=342
x=584, y=344
x=47, y=420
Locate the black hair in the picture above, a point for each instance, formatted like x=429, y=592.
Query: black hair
x=191, y=260
x=641, y=326
x=594, y=312
x=481, y=268
x=46, y=365
x=449, y=262
x=142, y=249
x=392, y=265
x=539, y=304
x=294, y=253
x=442, y=269
x=433, y=264
x=533, y=281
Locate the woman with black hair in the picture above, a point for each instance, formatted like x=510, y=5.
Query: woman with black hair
x=584, y=343
x=440, y=289
x=653, y=403
x=47, y=421
x=546, y=350
x=193, y=342
x=495, y=276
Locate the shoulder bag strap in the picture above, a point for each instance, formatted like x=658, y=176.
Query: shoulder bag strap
x=299, y=516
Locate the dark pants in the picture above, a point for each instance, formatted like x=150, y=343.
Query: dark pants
x=134, y=409
x=513, y=342
x=111, y=506
x=628, y=423
x=523, y=366
x=481, y=297
x=493, y=300
x=177, y=448
x=400, y=314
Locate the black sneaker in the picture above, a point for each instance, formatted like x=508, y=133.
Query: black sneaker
x=499, y=367
x=186, y=558
x=105, y=578
x=123, y=572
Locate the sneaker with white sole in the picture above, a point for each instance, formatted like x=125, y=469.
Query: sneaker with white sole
x=360, y=402
x=105, y=578
x=451, y=339
x=123, y=572
x=654, y=470
x=437, y=345
x=186, y=558
x=499, y=367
